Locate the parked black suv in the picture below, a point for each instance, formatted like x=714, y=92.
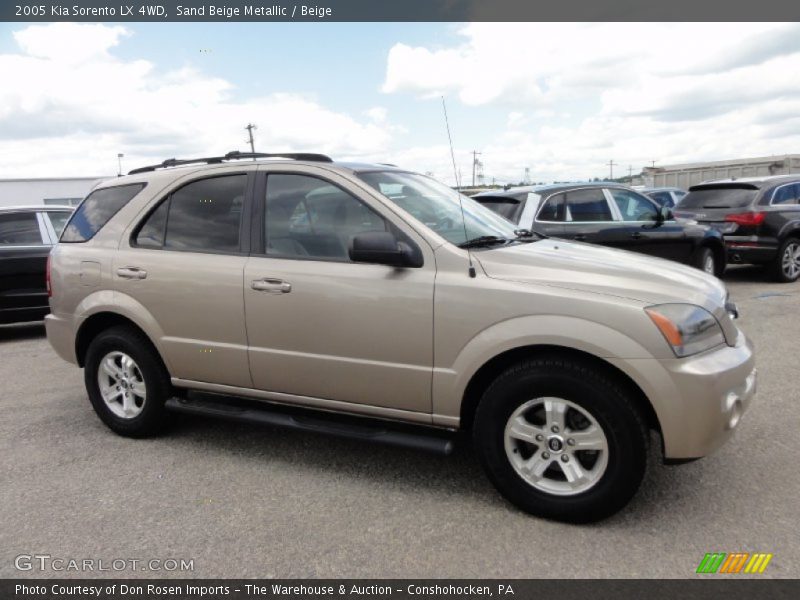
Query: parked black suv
x=759, y=219
x=609, y=214
x=26, y=235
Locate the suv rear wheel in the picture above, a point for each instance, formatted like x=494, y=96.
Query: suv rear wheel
x=786, y=267
x=706, y=261
x=561, y=440
x=127, y=382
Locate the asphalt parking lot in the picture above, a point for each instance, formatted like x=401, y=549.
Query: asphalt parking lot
x=244, y=501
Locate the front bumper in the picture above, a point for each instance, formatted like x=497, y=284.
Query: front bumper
x=699, y=401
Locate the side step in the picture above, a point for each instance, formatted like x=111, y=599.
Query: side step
x=365, y=430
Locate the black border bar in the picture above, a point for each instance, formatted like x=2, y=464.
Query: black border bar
x=397, y=10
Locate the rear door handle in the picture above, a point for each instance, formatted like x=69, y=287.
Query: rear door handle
x=272, y=286
x=131, y=273
x=636, y=235
x=580, y=237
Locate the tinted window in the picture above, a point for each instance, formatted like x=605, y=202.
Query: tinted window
x=204, y=215
x=786, y=194
x=633, y=206
x=663, y=198
x=20, y=229
x=723, y=196
x=510, y=208
x=553, y=209
x=58, y=219
x=151, y=234
x=588, y=205
x=97, y=210
x=311, y=218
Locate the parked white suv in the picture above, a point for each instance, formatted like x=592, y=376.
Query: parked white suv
x=373, y=291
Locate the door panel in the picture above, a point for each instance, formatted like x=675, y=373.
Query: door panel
x=319, y=325
x=344, y=331
x=23, y=257
x=184, y=268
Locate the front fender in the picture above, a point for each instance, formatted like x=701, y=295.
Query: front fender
x=597, y=339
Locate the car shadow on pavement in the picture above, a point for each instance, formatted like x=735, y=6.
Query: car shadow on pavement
x=21, y=331
x=747, y=273
x=455, y=477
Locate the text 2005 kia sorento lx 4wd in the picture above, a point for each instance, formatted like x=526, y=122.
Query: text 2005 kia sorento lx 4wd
x=360, y=289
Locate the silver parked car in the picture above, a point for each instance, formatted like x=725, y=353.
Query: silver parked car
x=373, y=291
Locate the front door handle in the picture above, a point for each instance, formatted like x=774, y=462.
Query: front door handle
x=636, y=235
x=580, y=238
x=272, y=286
x=131, y=273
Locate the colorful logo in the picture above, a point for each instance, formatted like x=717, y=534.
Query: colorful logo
x=735, y=562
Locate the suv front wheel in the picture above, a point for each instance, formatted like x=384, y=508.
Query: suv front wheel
x=127, y=382
x=561, y=440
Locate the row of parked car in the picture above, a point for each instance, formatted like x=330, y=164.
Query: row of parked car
x=754, y=221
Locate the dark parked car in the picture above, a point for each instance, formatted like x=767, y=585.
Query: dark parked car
x=664, y=196
x=26, y=235
x=609, y=215
x=759, y=219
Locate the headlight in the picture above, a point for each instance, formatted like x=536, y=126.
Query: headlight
x=687, y=328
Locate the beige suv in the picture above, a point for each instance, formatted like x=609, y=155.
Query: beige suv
x=371, y=291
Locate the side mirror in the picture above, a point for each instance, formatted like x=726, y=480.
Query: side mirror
x=666, y=213
x=382, y=248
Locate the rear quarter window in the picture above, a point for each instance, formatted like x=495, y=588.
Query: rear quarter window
x=96, y=210
x=507, y=207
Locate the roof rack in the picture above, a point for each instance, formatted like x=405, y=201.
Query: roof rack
x=234, y=155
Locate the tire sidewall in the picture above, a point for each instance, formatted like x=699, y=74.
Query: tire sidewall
x=623, y=429
x=148, y=421
x=778, y=265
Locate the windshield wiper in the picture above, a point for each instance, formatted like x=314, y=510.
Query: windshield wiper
x=527, y=233
x=483, y=240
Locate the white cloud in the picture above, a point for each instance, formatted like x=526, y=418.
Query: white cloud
x=78, y=104
x=578, y=95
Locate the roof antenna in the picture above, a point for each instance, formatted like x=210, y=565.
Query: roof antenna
x=458, y=188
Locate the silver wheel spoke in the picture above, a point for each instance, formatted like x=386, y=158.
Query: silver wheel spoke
x=521, y=429
x=111, y=369
x=138, y=388
x=573, y=471
x=588, y=439
x=556, y=411
x=536, y=465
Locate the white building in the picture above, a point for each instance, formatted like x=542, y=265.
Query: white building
x=46, y=190
x=683, y=176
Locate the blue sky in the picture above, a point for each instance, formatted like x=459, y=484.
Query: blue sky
x=561, y=99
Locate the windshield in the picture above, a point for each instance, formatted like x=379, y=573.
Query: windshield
x=437, y=206
x=719, y=197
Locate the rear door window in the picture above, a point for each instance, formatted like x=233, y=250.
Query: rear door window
x=20, y=229
x=97, y=210
x=201, y=216
x=588, y=205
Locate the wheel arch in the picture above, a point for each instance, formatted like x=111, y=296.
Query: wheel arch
x=99, y=322
x=490, y=370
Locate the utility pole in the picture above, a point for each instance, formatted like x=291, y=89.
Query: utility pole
x=630, y=174
x=611, y=165
x=119, y=162
x=653, y=164
x=475, y=163
x=250, y=128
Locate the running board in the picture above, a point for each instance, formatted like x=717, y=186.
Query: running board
x=376, y=432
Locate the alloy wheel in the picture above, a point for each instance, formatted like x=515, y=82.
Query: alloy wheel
x=556, y=446
x=790, y=262
x=122, y=385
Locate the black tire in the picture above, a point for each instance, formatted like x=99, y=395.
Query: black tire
x=153, y=417
x=776, y=269
x=611, y=407
x=701, y=258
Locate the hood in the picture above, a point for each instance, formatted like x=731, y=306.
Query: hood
x=586, y=267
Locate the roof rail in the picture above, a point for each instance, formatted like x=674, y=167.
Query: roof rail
x=234, y=155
